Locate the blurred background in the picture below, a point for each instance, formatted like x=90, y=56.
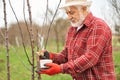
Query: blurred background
x=45, y=26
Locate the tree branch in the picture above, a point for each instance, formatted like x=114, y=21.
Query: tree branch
x=6, y=41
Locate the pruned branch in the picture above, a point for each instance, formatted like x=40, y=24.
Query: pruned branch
x=6, y=41
x=20, y=33
x=51, y=24
x=32, y=38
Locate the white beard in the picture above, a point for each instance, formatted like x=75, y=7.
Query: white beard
x=79, y=23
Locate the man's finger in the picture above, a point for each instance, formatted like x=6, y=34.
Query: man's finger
x=40, y=53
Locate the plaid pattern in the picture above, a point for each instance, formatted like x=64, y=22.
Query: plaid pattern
x=87, y=54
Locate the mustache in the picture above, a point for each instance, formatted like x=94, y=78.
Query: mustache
x=71, y=20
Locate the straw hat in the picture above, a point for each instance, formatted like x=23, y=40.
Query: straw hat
x=76, y=3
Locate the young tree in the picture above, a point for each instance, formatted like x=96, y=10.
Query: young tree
x=114, y=4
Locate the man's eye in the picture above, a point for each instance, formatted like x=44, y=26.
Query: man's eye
x=71, y=12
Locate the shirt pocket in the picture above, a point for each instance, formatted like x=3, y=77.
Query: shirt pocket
x=80, y=46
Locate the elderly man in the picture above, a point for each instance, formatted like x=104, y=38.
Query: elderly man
x=87, y=54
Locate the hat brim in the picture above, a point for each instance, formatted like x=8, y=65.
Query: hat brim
x=74, y=3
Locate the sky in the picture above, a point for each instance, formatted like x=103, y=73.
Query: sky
x=38, y=8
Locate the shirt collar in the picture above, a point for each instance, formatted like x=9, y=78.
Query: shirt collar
x=78, y=28
x=88, y=19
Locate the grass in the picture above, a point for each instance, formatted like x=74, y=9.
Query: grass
x=116, y=58
x=21, y=71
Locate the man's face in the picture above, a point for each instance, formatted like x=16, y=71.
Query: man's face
x=75, y=16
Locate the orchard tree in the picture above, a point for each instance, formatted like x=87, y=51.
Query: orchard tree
x=115, y=6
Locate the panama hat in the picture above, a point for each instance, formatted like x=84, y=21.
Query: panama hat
x=76, y=3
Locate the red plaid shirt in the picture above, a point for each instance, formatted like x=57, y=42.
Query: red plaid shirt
x=87, y=54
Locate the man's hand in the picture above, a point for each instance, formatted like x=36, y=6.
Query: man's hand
x=54, y=69
x=43, y=54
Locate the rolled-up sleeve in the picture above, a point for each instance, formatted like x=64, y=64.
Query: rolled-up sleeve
x=60, y=57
